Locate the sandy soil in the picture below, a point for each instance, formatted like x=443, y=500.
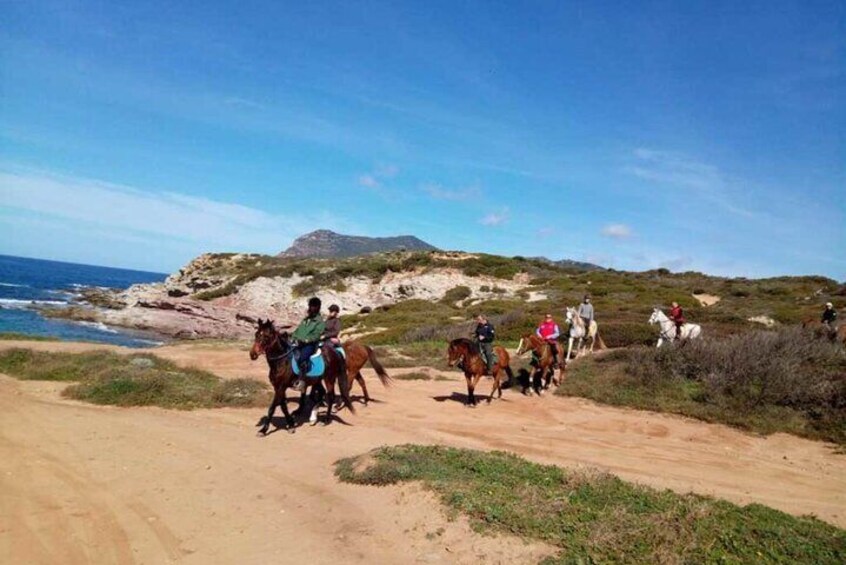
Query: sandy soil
x=706, y=299
x=89, y=484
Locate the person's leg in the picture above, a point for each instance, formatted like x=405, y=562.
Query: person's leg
x=487, y=348
x=303, y=355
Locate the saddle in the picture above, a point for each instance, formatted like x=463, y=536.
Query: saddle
x=316, y=364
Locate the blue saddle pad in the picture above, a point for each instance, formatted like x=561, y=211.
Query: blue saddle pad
x=318, y=365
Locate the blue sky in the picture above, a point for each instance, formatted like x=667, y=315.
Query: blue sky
x=696, y=136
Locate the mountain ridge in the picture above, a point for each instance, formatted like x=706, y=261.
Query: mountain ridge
x=331, y=245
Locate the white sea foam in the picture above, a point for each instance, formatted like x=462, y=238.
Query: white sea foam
x=14, y=285
x=98, y=326
x=19, y=303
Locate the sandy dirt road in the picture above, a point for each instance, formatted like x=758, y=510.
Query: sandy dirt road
x=90, y=484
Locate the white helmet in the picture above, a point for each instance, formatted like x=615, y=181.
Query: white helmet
x=829, y=305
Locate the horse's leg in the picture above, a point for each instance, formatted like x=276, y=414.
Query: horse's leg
x=360, y=380
x=318, y=394
x=660, y=341
x=289, y=420
x=473, y=389
x=329, y=381
x=569, y=349
x=495, y=386
x=267, y=419
x=469, y=389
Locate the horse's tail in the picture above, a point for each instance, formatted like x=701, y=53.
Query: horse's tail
x=510, y=373
x=380, y=370
x=600, y=343
x=344, y=383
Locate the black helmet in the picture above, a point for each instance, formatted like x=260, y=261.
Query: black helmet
x=334, y=308
x=314, y=302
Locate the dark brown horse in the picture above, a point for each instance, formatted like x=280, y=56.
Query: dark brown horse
x=278, y=352
x=357, y=355
x=466, y=354
x=545, y=369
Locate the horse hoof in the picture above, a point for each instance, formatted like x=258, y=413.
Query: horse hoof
x=261, y=433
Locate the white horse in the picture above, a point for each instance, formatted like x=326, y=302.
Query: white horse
x=579, y=332
x=668, y=328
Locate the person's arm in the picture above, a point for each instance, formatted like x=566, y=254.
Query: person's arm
x=555, y=333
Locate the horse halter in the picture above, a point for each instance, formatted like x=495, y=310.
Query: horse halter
x=276, y=340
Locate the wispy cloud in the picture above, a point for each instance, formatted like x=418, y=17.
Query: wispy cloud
x=496, y=218
x=617, y=231
x=126, y=211
x=676, y=169
x=376, y=178
x=439, y=192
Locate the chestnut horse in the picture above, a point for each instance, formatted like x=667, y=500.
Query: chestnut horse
x=820, y=329
x=357, y=355
x=466, y=353
x=278, y=352
x=545, y=360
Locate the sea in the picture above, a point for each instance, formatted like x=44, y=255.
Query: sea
x=28, y=285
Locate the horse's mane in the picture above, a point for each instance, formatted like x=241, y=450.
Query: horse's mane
x=463, y=341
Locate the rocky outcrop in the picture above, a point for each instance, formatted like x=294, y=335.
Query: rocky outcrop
x=188, y=305
x=328, y=244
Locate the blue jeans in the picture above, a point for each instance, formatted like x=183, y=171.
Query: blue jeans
x=302, y=355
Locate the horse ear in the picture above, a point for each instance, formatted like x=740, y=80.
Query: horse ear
x=260, y=323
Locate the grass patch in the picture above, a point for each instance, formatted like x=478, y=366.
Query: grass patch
x=103, y=377
x=597, y=517
x=413, y=376
x=762, y=381
x=14, y=336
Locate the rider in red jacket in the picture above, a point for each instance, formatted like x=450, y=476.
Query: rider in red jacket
x=677, y=316
x=549, y=332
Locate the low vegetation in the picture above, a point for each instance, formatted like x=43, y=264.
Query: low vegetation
x=14, y=336
x=595, y=517
x=132, y=380
x=785, y=380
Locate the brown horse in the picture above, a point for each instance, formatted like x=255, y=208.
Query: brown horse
x=544, y=369
x=357, y=355
x=466, y=353
x=278, y=352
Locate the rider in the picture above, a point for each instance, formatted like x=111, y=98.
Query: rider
x=549, y=332
x=677, y=316
x=485, y=334
x=829, y=317
x=586, y=313
x=332, y=326
x=306, y=337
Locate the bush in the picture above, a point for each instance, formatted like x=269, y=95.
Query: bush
x=759, y=371
x=456, y=294
x=617, y=334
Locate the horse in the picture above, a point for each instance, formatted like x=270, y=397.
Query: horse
x=820, y=330
x=545, y=360
x=668, y=328
x=467, y=355
x=357, y=355
x=278, y=352
x=577, y=331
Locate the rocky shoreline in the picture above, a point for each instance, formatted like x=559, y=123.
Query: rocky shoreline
x=179, y=307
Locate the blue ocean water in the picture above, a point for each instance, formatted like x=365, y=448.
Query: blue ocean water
x=27, y=284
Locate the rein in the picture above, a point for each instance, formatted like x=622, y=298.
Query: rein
x=277, y=341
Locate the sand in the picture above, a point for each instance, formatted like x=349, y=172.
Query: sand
x=90, y=484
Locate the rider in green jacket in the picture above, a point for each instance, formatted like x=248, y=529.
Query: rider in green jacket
x=306, y=338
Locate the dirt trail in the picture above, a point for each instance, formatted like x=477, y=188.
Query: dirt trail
x=82, y=483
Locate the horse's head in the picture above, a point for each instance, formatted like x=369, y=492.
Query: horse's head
x=525, y=344
x=571, y=314
x=656, y=315
x=456, y=352
x=265, y=337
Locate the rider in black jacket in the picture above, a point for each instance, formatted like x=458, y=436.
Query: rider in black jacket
x=485, y=335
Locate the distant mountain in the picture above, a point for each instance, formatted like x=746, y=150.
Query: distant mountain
x=328, y=244
x=570, y=264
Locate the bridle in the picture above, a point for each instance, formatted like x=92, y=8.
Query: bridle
x=276, y=341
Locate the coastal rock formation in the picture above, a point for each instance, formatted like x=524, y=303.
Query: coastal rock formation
x=328, y=244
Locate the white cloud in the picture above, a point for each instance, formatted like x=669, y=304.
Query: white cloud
x=375, y=179
x=496, y=218
x=125, y=212
x=368, y=181
x=676, y=169
x=439, y=192
x=617, y=231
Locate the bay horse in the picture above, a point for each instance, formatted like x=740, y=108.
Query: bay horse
x=820, y=329
x=357, y=355
x=544, y=371
x=466, y=353
x=278, y=352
